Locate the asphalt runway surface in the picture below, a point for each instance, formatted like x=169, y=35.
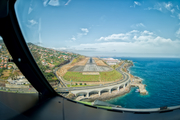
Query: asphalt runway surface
x=90, y=67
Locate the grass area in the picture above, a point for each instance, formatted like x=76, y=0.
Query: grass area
x=104, y=76
x=110, y=76
x=78, y=77
x=50, y=80
x=5, y=74
x=90, y=103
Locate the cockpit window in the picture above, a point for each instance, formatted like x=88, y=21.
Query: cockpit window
x=11, y=78
x=106, y=53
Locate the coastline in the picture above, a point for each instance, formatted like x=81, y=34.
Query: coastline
x=135, y=82
x=108, y=96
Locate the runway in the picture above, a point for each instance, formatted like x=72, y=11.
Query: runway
x=90, y=67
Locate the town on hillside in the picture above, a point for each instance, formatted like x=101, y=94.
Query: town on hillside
x=46, y=58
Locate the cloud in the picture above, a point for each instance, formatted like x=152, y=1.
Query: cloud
x=45, y=2
x=178, y=33
x=30, y=10
x=157, y=6
x=139, y=43
x=162, y=7
x=73, y=38
x=177, y=7
x=138, y=25
x=172, y=11
x=54, y=2
x=136, y=4
x=178, y=16
x=168, y=5
x=32, y=22
x=85, y=30
x=68, y=2
x=120, y=36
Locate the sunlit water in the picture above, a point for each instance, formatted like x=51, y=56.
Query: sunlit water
x=162, y=77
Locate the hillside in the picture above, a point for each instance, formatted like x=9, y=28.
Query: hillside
x=48, y=59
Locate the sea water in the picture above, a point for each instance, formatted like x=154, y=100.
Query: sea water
x=162, y=77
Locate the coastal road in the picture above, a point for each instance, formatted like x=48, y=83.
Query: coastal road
x=125, y=78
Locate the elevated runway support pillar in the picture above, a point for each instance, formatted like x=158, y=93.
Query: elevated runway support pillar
x=87, y=94
x=124, y=86
x=109, y=90
x=118, y=89
x=99, y=93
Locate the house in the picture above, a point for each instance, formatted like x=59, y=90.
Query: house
x=5, y=65
x=9, y=67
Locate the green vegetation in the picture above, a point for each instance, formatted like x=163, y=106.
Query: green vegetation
x=77, y=77
x=90, y=103
x=104, y=76
x=48, y=59
x=5, y=74
x=79, y=58
x=110, y=76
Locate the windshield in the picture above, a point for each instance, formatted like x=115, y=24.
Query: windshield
x=11, y=78
x=118, y=53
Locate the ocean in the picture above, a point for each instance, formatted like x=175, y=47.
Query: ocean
x=162, y=77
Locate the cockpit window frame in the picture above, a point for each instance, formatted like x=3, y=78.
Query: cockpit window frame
x=22, y=57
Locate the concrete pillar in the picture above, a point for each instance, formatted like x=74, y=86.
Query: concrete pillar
x=99, y=93
x=109, y=90
x=87, y=94
x=118, y=89
x=124, y=86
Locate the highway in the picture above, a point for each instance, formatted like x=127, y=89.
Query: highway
x=125, y=78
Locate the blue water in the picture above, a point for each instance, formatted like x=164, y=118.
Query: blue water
x=162, y=77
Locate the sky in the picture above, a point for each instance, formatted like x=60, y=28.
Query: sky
x=121, y=28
